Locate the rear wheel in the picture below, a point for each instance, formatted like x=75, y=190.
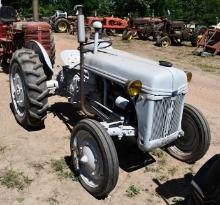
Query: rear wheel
x=52, y=49
x=142, y=36
x=164, y=42
x=28, y=89
x=127, y=35
x=94, y=157
x=196, y=140
x=61, y=25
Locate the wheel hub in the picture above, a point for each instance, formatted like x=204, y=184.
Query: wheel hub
x=165, y=44
x=62, y=27
x=19, y=92
x=88, y=159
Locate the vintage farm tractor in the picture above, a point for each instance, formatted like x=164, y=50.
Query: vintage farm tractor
x=209, y=43
x=142, y=27
x=62, y=23
x=15, y=35
x=120, y=95
x=110, y=25
x=175, y=32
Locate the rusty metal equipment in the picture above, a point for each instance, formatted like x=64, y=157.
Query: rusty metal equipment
x=111, y=25
x=209, y=43
x=15, y=35
x=62, y=23
x=175, y=32
x=142, y=27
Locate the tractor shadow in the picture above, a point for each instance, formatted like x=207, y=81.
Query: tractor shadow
x=129, y=156
x=66, y=113
x=179, y=187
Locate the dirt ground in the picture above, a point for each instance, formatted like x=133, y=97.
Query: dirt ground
x=34, y=165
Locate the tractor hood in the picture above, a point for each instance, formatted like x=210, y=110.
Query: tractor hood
x=120, y=66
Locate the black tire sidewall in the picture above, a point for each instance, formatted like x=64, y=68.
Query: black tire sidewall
x=83, y=125
x=58, y=21
x=21, y=120
x=203, y=134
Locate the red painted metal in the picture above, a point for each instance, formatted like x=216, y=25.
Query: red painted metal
x=210, y=41
x=18, y=34
x=108, y=22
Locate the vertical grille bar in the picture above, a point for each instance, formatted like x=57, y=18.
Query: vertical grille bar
x=161, y=109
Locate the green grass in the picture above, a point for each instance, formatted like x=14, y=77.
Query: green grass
x=37, y=166
x=132, y=191
x=20, y=199
x=158, y=153
x=15, y=180
x=177, y=200
x=2, y=149
x=207, y=67
x=52, y=201
x=172, y=171
x=62, y=170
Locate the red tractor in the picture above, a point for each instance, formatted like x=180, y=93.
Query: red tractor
x=110, y=25
x=15, y=35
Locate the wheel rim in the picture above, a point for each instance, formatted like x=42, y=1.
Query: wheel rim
x=87, y=158
x=165, y=43
x=62, y=27
x=17, y=90
x=188, y=143
x=129, y=37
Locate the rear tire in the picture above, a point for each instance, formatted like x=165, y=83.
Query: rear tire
x=163, y=42
x=28, y=89
x=127, y=35
x=94, y=157
x=52, y=49
x=61, y=25
x=142, y=36
x=196, y=140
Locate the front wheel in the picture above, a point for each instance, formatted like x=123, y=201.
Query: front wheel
x=94, y=157
x=196, y=140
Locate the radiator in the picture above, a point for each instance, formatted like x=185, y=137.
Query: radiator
x=167, y=117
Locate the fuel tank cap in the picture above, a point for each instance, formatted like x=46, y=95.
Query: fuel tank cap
x=165, y=63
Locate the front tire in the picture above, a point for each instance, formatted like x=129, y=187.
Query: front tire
x=94, y=157
x=28, y=89
x=196, y=140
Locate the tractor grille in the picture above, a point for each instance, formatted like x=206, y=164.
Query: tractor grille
x=167, y=115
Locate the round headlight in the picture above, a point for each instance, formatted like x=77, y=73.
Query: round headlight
x=134, y=87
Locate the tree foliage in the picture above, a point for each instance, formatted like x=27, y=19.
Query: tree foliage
x=204, y=11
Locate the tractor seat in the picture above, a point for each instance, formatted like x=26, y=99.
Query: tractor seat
x=7, y=14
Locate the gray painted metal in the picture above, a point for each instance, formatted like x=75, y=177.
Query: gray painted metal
x=81, y=29
x=121, y=66
x=161, y=97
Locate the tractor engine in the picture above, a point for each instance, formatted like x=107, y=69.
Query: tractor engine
x=69, y=85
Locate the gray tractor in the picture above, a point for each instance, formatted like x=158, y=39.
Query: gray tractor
x=62, y=23
x=120, y=95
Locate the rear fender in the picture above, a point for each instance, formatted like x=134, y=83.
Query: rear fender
x=43, y=56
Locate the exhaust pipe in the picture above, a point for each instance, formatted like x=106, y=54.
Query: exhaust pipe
x=81, y=39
